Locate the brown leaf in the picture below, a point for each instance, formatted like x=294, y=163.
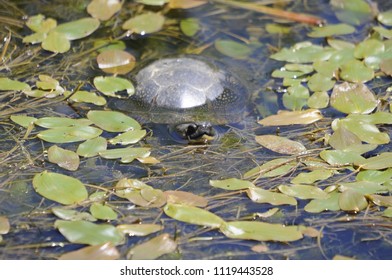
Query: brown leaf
x=105, y=251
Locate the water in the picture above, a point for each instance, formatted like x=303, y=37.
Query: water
x=183, y=167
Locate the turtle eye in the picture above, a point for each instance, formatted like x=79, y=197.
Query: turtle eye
x=191, y=130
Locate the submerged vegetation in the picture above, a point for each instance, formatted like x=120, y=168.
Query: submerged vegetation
x=311, y=162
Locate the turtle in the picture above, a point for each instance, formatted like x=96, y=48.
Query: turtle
x=190, y=93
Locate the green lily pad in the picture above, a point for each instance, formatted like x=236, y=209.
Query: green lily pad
x=319, y=82
x=60, y=188
x=327, y=69
x=353, y=98
x=356, y=71
x=34, y=38
x=84, y=232
x=126, y=155
x=381, y=161
x=296, y=97
x=288, y=118
x=113, y=121
x=56, y=42
x=112, y=85
x=139, y=229
x=153, y=2
x=145, y=23
x=8, y=84
x=353, y=11
x=88, y=97
x=233, y=49
x=319, y=205
x=273, y=28
x=368, y=48
x=69, y=134
x=102, y=212
x=339, y=158
x=39, y=24
x=154, y=197
x=375, y=176
x=285, y=74
x=129, y=137
x=232, y=184
x=187, y=198
x=72, y=215
x=190, y=26
x=77, y=29
x=64, y=158
x=304, y=68
x=387, y=212
x=313, y=176
x=92, y=147
x=104, y=9
x=331, y=30
x=272, y=168
x=280, y=144
x=385, y=18
x=106, y=251
x=264, y=196
x=22, y=120
x=193, y=215
x=363, y=187
x=381, y=200
x=56, y=122
x=303, y=52
x=343, y=139
x=318, y=100
x=352, y=201
x=303, y=191
x=153, y=248
x=261, y=231
x=340, y=44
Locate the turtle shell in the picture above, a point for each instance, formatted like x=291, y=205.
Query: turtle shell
x=188, y=89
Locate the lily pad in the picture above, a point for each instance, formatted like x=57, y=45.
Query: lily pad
x=186, y=4
x=56, y=42
x=385, y=18
x=187, y=198
x=303, y=191
x=153, y=248
x=139, y=229
x=288, y=118
x=113, y=121
x=352, y=201
x=69, y=134
x=353, y=98
x=368, y=48
x=190, y=26
x=106, y=251
x=104, y=9
x=320, y=82
x=375, y=176
x=193, y=215
x=331, y=30
x=381, y=200
x=72, y=215
x=77, y=29
x=319, y=205
x=274, y=198
x=339, y=158
x=313, y=176
x=154, y=197
x=304, y=52
x=296, y=97
x=60, y=188
x=23, y=120
x=382, y=161
x=112, y=85
x=8, y=84
x=231, y=184
x=272, y=168
x=129, y=137
x=145, y=23
x=364, y=187
x=39, y=24
x=88, y=97
x=56, y=122
x=126, y=155
x=356, y=71
x=318, y=100
x=84, y=232
x=4, y=225
x=280, y=145
x=116, y=61
x=64, y=158
x=102, y=212
x=92, y=147
x=387, y=212
x=233, y=48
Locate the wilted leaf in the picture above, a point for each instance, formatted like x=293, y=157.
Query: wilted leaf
x=116, y=61
x=84, y=232
x=154, y=197
x=145, y=23
x=187, y=198
x=352, y=201
x=69, y=134
x=193, y=215
x=4, y=225
x=381, y=200
x=280, y=145
x=288, y=118
x=104, y=9
x=60, y=188
x=274, y=198
x=106, y=251
x=64, y=158
x=153, y=248
x=113, y=121
x=232, y=184
x=139, y=229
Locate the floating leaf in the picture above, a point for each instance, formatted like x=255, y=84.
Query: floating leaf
x=72, y=215
x=153, y=2
x=353, y=11
x=56, y=122
x=386, y=66
x=139, y=229
x=353, y=98
x=338, y=158
x=112, y=121
x=274, y=28
x=126, y=155
x=343, y=139
x=303, y=191
x=88, y=97
x=92, y=147
x=387, y=212
x=318, y=100
x=190, y=26
x=145, y=23
x=112, y=85
x=375, y=176
x=34, y=38
x=129, y=137
x=363, y=187
x=193, y=215
x=368, y=48
x=64, y=158
x=385, y=18
x=261, y=231
x=288, y=118
x=296, y=97
x=4, y=225
x=303, y=52
x=102, y=212
x=313, y=176
x=320, y=82
x=60, y=188
x=233, y=49
x=153, y=248
x=154, y=197
x=264, y=196
x=8, y=84
x=319, y=205
x=280, y=145
x=116, y=61
x=106, y=251
x=56, y=42
x=381, y=161
x=69, y=134
x=232, y=184
x=39, y=24
x=22, y=120
x=187, y=198
x=352, y=201
x=104, y=9
x=186, y=4
x=77, y=29
x=356, y=71
x=331, y=30
x=84, y=232
x=340, y=44
x=272, y=168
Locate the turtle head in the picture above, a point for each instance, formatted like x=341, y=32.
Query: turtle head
x=195, y=131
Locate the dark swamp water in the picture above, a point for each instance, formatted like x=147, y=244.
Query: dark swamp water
x=365, y=234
